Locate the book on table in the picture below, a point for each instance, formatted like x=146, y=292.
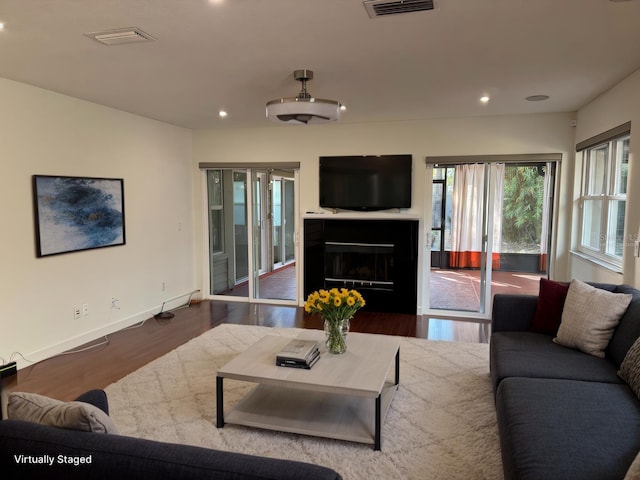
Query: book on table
x=299, y=354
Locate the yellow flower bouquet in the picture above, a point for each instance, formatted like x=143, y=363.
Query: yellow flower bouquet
x=336, y=306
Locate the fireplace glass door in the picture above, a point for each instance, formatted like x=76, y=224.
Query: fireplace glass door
x=357, y=265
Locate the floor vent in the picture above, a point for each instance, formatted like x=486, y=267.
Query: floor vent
x=120, y=36
x=380, y=8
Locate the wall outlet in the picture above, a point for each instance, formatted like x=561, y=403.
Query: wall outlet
x=77, y=313
x=85, y=309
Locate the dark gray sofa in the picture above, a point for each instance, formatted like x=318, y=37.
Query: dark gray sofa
x=121, y=457
x=562, y=414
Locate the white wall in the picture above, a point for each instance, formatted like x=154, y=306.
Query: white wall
x=614, y=107
x=549, y=133
x=42, y=132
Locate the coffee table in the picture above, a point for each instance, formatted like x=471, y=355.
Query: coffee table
x=344, y=396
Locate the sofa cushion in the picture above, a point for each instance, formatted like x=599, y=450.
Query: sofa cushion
x=567, y=429
x=31, y=407
x=526, y=354
x=549, y=307
x=628, y=330
x=589, y=317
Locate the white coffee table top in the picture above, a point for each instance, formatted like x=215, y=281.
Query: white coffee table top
x=362, y=370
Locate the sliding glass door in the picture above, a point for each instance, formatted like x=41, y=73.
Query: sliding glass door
x=490, y=228
x=283, y=216
x=462, y=218
x=251, y=230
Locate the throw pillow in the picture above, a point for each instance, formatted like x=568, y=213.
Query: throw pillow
x=549, y=308
x=589, y=317
x=35, y=408
x=634, y=470
x=630, y=368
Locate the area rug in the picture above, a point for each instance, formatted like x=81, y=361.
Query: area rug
x=441, y=424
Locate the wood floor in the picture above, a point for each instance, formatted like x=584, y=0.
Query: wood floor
x=110, y=358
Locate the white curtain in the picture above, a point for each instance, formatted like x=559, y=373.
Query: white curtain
x=467, y=209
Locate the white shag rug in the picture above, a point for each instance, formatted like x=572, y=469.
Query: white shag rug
x=441, y=424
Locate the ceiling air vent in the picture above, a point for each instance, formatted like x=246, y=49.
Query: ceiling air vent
x=121, y=35
x=380, y=8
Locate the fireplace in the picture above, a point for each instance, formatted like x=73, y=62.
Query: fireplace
x=357, y=265
x=376, y=257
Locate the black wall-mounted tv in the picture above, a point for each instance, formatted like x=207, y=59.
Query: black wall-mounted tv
x=365, y=182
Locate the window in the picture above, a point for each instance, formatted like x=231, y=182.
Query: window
x=603, y=199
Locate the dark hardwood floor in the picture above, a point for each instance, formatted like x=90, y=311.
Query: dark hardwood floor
x=108, y=359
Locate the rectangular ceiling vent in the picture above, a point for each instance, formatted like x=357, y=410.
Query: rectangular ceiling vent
x=380, y=8
x=120, y=36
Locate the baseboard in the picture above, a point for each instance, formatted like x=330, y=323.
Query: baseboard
x=87, y=337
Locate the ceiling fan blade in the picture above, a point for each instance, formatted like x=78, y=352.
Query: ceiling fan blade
x=300, y=117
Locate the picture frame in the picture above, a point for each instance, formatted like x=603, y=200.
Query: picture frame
x=77, y=213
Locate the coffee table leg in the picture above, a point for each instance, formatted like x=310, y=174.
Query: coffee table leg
x=219, y=403
x=378, y=440
x=378, y=420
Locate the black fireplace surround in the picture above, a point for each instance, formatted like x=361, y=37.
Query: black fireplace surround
x=379, y=258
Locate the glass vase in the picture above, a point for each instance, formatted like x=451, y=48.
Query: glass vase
x=336, y=335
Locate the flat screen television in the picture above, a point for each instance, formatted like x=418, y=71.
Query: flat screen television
x=365, y=182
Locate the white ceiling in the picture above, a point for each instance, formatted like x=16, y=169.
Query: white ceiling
x=238, y=54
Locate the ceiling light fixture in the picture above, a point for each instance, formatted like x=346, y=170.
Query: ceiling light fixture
x=485, y=99
x=303, y=109
x=537, y=98
x=222, y=113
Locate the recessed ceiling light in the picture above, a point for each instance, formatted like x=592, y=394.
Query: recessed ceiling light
x=485, y=99
x=1, y=26
x=537, y=98
x=222, y=113
x=343, y=107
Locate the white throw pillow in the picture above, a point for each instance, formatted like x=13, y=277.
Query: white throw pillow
x=589, y=317
x=634, y=470
x=31, y=407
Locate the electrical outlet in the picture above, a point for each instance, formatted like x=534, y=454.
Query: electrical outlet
x=77, y=313
x=85, y=309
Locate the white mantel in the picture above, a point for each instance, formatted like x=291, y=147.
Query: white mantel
x=355, y=215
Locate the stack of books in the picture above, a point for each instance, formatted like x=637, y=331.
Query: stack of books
x=299, y=354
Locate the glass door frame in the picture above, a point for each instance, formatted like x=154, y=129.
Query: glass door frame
x=486, y=252
x=254, y=243
x=284, y=204
x=487, y=248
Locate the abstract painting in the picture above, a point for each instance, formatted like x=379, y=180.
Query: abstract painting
x=77, y=213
